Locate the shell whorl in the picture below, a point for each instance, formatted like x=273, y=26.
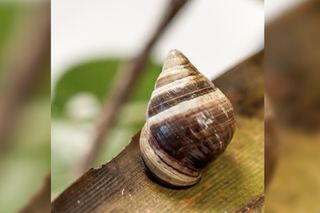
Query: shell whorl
x=189, y=123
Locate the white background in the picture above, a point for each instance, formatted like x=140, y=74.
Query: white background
x=214, y=35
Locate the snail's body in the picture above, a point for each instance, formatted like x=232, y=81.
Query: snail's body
x=189, y=123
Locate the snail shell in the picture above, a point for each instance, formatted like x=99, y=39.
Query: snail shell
x=189, y=123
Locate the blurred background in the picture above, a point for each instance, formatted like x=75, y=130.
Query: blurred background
x=24, y=106
x=292, y=101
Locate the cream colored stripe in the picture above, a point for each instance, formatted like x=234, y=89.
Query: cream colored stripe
x=173, y=70
x=184, y=107
x=160, y=169
x=182, y=73
x=174, y=85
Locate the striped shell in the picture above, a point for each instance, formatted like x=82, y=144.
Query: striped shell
x=190, y=122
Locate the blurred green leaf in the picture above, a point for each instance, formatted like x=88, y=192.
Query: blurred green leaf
x=145, y=85
x=96, y=77
x=93, y=77
x=14, y=17
x=8, y=16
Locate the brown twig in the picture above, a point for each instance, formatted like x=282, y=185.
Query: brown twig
x=271, y=130
x=24, y=68
x=125, y=82
x=40, y=202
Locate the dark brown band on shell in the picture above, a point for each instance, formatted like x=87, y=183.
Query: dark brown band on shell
x=190, y=143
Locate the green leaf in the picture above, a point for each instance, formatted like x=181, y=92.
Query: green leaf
x=96, y=77
x=8, y=16
x=93, y=77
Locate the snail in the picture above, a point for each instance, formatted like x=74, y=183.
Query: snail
x=189, y=123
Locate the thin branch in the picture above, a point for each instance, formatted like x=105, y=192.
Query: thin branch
x=24, y=67
x=40, y=202
x=125, y=82
x=271, y=129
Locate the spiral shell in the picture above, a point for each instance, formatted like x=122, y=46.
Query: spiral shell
x=189, y=123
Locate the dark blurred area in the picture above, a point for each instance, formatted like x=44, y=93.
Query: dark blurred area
x=292, y=116
x=24, y=106
x=292, y=63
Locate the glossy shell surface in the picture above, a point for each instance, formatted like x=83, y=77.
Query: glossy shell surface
x=189, y=123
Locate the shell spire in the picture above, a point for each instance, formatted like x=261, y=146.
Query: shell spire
x=190, y=122
x=175, y=58
x=175, y=66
